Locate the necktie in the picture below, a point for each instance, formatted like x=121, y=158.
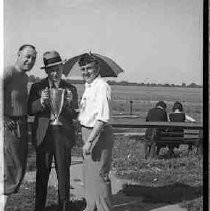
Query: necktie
x=51, y=113
x=53, y=85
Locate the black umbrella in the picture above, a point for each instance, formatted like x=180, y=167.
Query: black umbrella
x=108, y=68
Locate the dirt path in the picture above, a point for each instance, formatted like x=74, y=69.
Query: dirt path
x=120, y=201
x=77, y=188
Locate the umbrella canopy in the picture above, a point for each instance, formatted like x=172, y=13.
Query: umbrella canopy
x=108, y=68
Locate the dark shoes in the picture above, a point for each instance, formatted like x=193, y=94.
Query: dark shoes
x=65, y=206
x=77, y=205
x=39, y=208
x=68, y=206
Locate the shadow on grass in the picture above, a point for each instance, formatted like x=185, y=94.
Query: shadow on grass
x=168, y=194
x=139, y=197
x=130, y=198
x=24, y=200
x=77, y=205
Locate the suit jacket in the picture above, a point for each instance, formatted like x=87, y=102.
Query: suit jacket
x=42, y=114
x=155, y=115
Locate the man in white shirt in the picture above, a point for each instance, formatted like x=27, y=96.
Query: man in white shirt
x=97, y=135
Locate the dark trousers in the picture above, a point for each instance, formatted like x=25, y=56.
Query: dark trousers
x=56, y=145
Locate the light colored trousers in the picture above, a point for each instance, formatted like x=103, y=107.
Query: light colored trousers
x=15, y=158
x=96, y=170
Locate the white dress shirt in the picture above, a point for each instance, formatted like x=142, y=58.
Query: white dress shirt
x=51, y=83
x=95, y=103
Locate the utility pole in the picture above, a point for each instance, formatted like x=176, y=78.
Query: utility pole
x=131, y=107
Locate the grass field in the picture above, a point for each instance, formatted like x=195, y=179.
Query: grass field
x=145, y=98
x=161, y=182
x=167, y=180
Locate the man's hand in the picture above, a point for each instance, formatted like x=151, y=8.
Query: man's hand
x=45, y=96
x=9, y=123
x=90, y=141
x=86, y=148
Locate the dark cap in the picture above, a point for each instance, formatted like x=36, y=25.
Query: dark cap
x=86, y=59
x=161, y=104
x=177, y=105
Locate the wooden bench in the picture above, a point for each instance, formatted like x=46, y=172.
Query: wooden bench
x=192, y=135
x=171, y=139
x=193, y=132
x=176, y=137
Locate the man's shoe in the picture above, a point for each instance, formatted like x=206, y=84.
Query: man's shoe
x=64, y=206
x=39, y=209
x=78, y=205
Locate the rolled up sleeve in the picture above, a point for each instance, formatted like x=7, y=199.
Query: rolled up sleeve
x=103, y=105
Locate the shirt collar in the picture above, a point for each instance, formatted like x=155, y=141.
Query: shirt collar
x=177, y=111
x=93, y=82
x=56, y=83
x=160, y=107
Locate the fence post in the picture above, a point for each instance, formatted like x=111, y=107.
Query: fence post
x=131, y=107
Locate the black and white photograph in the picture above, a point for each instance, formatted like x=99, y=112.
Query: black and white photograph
x=102, y=105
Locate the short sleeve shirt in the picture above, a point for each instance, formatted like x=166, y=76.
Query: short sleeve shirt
x=95, y=103
x=15, y=92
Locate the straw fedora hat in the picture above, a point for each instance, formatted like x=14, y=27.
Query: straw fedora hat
x=52, y=58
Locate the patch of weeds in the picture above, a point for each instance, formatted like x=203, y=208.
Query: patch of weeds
x=23, y=200
x=185, y=169
x=193, y=205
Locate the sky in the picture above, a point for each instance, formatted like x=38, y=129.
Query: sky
x=157, y=41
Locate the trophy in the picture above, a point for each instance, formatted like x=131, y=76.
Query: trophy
x=56, y=103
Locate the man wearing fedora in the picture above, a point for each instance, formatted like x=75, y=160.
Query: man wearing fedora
x=52, y=140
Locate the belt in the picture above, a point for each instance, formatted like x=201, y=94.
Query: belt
x=69, y=124
x=105, y=125
x=86, y=127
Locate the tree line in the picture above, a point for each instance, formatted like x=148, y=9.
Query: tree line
x=34, y=79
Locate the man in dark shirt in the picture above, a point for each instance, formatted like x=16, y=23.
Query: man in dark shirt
x=15, y=118
x=157, y=114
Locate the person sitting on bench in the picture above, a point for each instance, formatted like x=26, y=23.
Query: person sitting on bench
x=157, y=114
x=178, y=115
